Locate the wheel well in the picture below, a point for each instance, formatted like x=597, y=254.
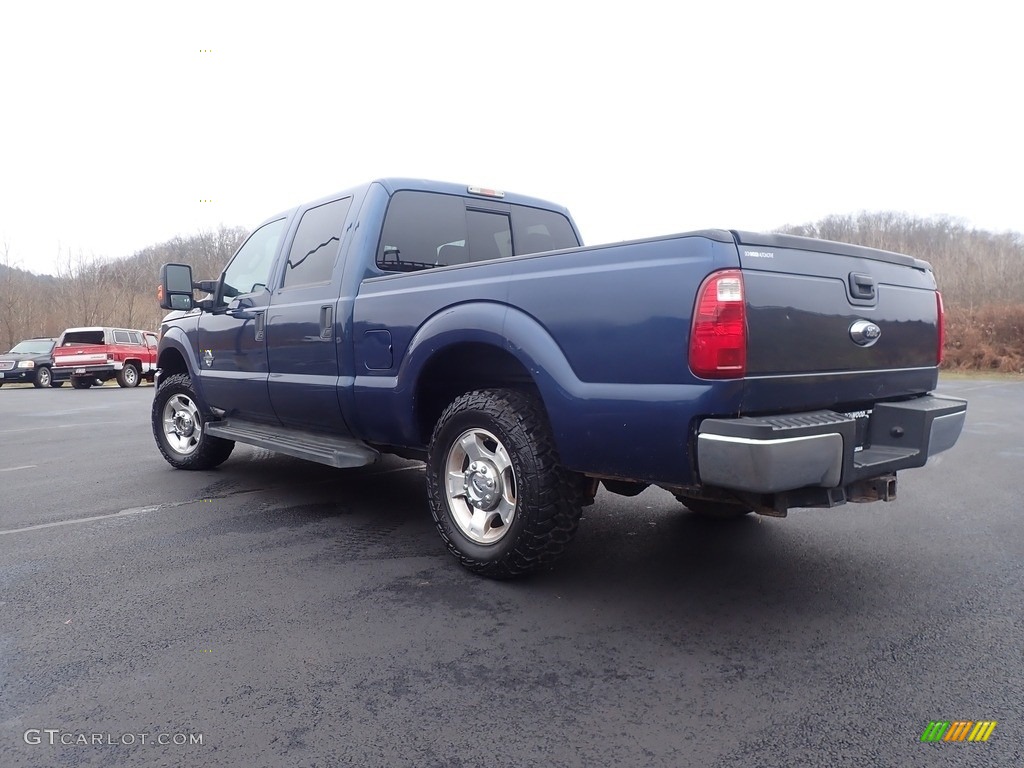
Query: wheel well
x=460, y=369
x=170, y=363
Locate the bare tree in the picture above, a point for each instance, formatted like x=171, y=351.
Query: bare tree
x=9, y=293
x=973, y=267
x=82, y=289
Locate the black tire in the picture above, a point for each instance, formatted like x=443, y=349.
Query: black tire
x=43, y=377
x=541, y=498
x=80, y=383
x=715, y=510
x=183, y=441
x=128, y=376
x=55, y=384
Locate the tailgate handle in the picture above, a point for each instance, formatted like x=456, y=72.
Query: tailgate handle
x=862, y=286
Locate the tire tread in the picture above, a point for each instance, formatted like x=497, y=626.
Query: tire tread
x=211, y=451
x=552, y=521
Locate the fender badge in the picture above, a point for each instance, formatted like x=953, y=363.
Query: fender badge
x=208, y=357
x=865, y=333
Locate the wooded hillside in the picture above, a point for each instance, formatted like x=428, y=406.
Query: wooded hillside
x=981, y=275
x=86, y=292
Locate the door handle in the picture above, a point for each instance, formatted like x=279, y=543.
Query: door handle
x=326, y=322
x=261, y=321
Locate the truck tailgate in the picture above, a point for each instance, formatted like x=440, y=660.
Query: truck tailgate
x=68, y=357
x=832, y=323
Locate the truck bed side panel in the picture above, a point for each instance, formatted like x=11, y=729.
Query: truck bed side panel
x=621, y=313
x=604, y=332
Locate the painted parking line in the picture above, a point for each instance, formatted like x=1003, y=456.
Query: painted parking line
x=398, y=469
x=58, y=523
x=172, y=504
x=40, y=427
x=126, y=512
x=15, y=469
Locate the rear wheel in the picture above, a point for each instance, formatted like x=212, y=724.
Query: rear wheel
x=500, y=498
x=718, y=510
x=79, y=382
x=54, y=383
x=179, y=428
x=43, y=377
x=128, y=376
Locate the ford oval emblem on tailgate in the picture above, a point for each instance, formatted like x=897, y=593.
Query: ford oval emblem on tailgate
x=865, y=333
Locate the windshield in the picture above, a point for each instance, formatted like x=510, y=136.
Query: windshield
x=33, y=347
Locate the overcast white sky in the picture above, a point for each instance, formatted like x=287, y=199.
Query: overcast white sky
x=643, y=118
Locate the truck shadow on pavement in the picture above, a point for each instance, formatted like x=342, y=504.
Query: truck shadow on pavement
x=648, y=551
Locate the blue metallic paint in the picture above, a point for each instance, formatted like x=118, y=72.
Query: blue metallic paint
x=235, y=372
x=603, y=332
x=176, y=340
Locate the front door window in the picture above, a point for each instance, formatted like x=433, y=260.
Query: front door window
x=249, y=271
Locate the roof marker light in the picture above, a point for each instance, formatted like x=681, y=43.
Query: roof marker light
x=485, y=192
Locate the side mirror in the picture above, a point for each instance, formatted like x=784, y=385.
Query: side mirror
x=175, y=291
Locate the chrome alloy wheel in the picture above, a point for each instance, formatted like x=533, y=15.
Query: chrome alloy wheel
x=481, y=486
x=183, y=427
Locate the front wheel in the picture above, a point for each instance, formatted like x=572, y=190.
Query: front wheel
x=500, y=498
x=128, y=376
x=80, y=383
x=717, y=510
x=179, y=428
x=43, y=378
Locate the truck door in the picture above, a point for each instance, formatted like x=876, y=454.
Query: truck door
x=302, y=324
x=232, y=338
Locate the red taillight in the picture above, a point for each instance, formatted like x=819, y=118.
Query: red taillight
x=718, y=338
x=941, y=313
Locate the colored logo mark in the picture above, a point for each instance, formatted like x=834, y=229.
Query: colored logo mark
x=958, y=730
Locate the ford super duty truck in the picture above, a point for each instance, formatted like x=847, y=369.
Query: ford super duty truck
x=470, y=329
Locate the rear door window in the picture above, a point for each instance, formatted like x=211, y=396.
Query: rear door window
x=315, y=246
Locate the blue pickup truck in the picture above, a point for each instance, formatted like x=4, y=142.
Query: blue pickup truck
x=470, y=329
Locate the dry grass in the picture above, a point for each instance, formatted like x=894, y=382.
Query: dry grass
x=987, y=338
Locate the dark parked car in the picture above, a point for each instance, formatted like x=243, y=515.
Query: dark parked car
x=31, y=361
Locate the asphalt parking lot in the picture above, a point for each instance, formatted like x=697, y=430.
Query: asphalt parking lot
x=279, y=613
